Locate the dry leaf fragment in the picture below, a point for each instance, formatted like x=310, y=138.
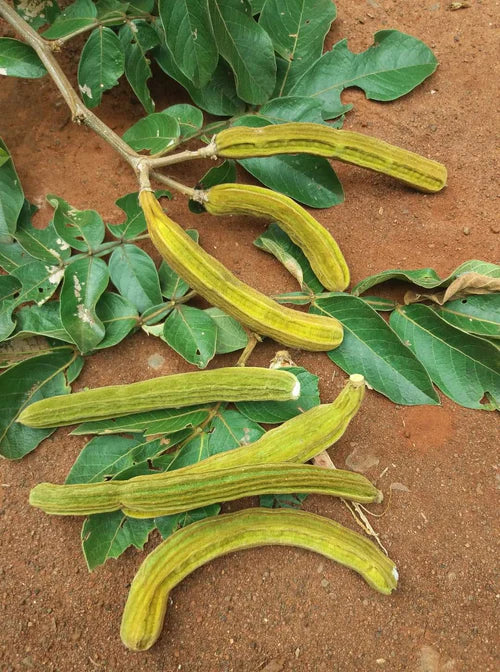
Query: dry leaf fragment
x=464, y=285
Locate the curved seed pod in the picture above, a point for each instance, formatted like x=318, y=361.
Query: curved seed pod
x=221, y=288
x=175, y=391
x=240, y=142
x=176, y=492
x=198, y=543
x=318, y=245
x=296, y=440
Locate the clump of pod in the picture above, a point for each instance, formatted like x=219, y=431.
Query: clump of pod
x=214, y=282
x=318, y=245
x=241, y=142
x=296, y=440
x=198, y=543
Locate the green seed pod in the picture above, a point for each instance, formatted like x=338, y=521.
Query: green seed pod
x=221, y=288
x=318, y=245
x=240, y=142
x=198, y=543
x=177, y=492
x=182, y=389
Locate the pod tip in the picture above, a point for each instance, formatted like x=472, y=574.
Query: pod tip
x=395, y=573
x=357, y=379
x=296, y=390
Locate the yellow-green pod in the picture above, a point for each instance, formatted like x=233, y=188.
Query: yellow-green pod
x=195, y=545
x=319, y=246
x=179, y=491
x=175, y=391
x=241, y=142
x=221, y=288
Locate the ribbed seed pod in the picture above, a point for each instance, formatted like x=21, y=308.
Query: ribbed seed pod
x=221, y=288
x=198, y=543
x=240, y=142
x=175, y=391
x=316, y=242
x=177, y=492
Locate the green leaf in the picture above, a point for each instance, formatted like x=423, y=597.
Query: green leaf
x=393, y=66
x=371, y=348
x=230, y=429
x=308, y=179
x=44, y=320
x=81, y=14
x=293, y=501
x=38, y=281
x=136, y=42
x=292, y=108
x=189, y=118
x=9, y=287
x=135, y=224
x=167, y=525
x=155, y=132
x=172, y=286
x=230, y=334
x=74, y=369
x=192, y=333
x=43, y=244
x=134, y=275
x=7, y=324
x=298, y=33
x=379, y=304
x=427, y=277
x=218, y=97
x=18, y=59
x=190, y=38
x=464, y=367
x=276, y=242
x=37, y=12
x=102, y=63
x=118, y=317
x=108, y=535
x=293, y=298
x=12, y=199
x=104, y=456
x=235, y=33
x=111, y=9
x=82, y=229
x=165, y=421
x=475, y=314
x=155, y=314
x=13, y=256
x=84, y=282
x=24, y=383
x=226, y=172
x=256, y=6
x=273, y=412
x=141, y=6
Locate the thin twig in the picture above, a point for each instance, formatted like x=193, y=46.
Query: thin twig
x=170, y=182
x=207, y=152
x=253, y=339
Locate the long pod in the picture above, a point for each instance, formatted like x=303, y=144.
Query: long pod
x=316, y=242
x=175, y=391
x=240, y=142
x=176, y=492
x=221, y=288
x=198, y=543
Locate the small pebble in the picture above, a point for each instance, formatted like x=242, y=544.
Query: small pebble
x=466, y=230
x=325, y=583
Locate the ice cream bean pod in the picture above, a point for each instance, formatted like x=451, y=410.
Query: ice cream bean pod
x=175, y=391
x=221, y=288
x=177, y=492
x=318, y=245
x=199, y=543
x=239, y=142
